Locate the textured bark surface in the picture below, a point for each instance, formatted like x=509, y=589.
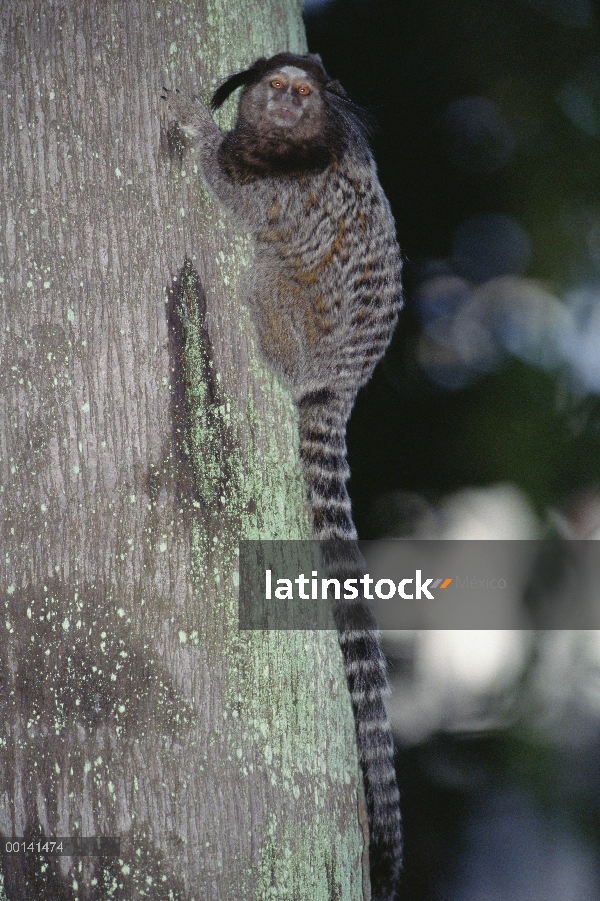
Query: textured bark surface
x=130, y=704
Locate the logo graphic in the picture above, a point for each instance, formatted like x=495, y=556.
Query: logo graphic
x=421, y=587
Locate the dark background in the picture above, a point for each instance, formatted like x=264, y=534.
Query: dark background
x=409, y=63
x=488, y=146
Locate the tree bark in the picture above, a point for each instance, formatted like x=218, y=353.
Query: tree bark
x=140, y=438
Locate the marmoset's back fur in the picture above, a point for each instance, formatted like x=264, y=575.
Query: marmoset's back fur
x=324, y=291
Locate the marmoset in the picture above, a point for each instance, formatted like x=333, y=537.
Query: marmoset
x=324, y=292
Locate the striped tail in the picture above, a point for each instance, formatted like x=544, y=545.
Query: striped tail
x=323, y=417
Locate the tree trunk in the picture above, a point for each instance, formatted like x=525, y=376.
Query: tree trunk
x=141, y=437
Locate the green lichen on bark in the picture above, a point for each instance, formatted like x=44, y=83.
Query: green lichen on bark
x=211, y=441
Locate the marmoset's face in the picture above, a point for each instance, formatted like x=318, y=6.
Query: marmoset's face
x=287, y=99
x=290, y=94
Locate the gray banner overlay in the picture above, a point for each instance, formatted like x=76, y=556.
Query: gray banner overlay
x=408, y=584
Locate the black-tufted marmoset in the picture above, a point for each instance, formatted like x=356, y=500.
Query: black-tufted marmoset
x=324, y=291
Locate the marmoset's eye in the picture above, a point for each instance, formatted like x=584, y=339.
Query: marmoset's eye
x=277, y=83
x=304, y=90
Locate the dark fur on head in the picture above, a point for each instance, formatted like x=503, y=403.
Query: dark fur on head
x=247, y=153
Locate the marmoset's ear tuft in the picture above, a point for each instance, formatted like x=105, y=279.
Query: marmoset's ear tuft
x=334, y=87
x=248, y=76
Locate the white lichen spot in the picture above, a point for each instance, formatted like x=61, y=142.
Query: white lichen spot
x=57, y=769
x=118, y=173
x=11, y=589
x=121, y=612
x=76, y=470
x=46, y=285
x=268, y=755
x=183, y=637
x=51, y=95
x=182, y=212
x=86, y=767
x=70, y=315
x=43, y=508
x=9, y=626
x=86, y=407
x=66, y=625
x=173, y=48
x=132, y=498
x=125, y=870
x=29, y=613
x=121, y=708
x=162, y=547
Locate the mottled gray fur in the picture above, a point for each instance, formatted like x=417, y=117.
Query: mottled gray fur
x=324, y=290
